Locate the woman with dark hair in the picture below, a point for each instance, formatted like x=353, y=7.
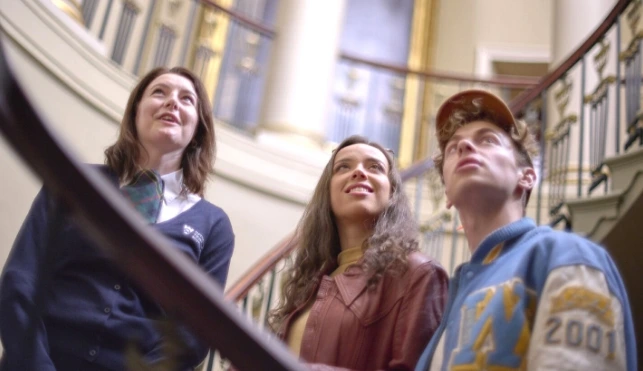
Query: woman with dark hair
x=90, y=312
x=359, y=295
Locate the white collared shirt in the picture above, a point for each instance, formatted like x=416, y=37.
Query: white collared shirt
x=175, y=202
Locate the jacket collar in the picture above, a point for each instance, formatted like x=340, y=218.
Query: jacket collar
x=494, y=244
x=351, y=284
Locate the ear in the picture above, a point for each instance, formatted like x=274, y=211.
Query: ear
x=528, y=178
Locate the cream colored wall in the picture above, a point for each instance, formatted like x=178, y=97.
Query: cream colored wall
x=466, y=25
x=513, y=22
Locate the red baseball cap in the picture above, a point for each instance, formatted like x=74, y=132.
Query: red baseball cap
x=488, y=101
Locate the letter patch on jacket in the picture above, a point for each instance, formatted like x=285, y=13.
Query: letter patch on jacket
x=495, y=328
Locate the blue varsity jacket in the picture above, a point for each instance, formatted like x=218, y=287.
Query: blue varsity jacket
x=534, y=298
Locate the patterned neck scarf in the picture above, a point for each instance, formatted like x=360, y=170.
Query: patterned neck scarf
x=145, y=191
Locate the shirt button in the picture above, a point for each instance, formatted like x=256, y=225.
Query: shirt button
x=107, y=310
x=469, y=275
x=92, y=352
x=117, y=287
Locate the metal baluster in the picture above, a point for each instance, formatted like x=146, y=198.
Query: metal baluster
x=543, y=125
x=579, y=190
x=188, y=32
x=88, y=9
x=271, y=288
x=603, y=141
x=146, y=32
x=618, y=85
x=592, y=138
x=555, y=176
x=101, y=34
x=124, y=30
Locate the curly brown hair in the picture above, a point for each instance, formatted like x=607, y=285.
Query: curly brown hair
x=198, y=157
x=524, y=142
x=386, y=250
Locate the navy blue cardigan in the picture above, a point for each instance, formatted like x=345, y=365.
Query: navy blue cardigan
x=91, y=311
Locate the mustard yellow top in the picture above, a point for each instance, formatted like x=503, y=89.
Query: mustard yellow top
x=296, y=333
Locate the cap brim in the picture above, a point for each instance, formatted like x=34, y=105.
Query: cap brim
x=488, y=101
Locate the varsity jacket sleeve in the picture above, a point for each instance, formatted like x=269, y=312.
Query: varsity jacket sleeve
x=422, y=308
x=583, y=320
x=17, y=290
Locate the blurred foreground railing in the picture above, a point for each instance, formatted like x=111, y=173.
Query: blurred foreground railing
x=166, y=275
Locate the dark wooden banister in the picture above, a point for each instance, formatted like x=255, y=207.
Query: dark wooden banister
x=166, y=275
x=520, y=102
x=268, y=262
x=506, y=81
x=286, y=246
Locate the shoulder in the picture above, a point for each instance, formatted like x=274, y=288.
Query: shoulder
x=211, y=214
x=418, y=263
x=565, y=248
x=211, y=208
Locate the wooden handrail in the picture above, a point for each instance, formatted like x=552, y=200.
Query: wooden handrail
x=286, y=246
x=146, y=256
x=520, y=102
x=507, y=81
x=268, y=262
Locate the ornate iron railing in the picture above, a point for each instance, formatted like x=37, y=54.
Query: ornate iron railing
x=577, y=143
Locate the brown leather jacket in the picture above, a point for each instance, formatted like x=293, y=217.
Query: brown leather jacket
x=386, y=328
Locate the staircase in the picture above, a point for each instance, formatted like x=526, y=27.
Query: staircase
x=612, y=218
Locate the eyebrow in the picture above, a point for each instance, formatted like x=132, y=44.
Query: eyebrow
x=164, y=85
x=352, y=158
x=478, y=133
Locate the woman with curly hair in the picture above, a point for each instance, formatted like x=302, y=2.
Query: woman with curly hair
x=359, y=295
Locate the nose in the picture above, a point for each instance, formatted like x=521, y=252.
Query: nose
x=465, y=145
x=359, y=173
x=172, y=101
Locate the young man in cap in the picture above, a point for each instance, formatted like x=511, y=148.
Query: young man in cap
x=530, y=297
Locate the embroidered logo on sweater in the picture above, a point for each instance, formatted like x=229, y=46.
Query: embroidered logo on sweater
x=195, y=235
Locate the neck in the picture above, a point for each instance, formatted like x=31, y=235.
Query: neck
x=353, y=234
x=479, y=221
x=163, y=163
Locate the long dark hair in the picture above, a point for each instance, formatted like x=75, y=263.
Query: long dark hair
x=393, y=238
x=198, y=157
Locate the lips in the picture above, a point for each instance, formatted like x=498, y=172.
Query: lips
x=467, y=161
x=359, y=188
x=169, y=117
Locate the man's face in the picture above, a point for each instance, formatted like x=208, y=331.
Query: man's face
x=480, y=161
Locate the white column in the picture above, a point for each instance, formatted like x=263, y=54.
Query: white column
x=300, y=77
